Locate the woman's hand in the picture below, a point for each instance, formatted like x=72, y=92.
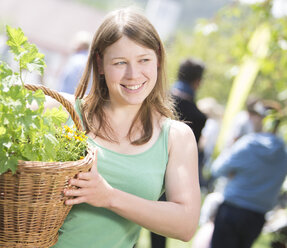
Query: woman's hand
x=92, y=189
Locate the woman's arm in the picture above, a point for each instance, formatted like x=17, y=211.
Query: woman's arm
x=175, y=218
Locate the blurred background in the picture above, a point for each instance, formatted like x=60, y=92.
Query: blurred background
x=243, y=44
x=53, y=24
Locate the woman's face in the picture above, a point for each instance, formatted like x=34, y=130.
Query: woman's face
x=130, y=71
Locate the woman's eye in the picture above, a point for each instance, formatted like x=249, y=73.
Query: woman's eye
x=120, y=63
x=144, y=60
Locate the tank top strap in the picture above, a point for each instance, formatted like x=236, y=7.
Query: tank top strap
x=77, y=107
x=165, y=133
x=166, y=127
x=78, y=103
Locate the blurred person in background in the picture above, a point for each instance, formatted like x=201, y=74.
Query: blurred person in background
x=189, y=77
x=73, y=70
x=256, y=166
x=214, y=112
x=202, y=238
x=244, y=122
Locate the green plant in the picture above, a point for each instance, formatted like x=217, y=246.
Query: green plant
x=25, y=133
x=74, y=143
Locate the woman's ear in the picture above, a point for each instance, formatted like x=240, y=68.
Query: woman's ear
x=100, y=64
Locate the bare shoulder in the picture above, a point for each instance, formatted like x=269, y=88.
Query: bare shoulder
x=179, y=129
x=180, y=134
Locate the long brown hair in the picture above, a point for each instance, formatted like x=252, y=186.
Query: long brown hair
x=132, y=24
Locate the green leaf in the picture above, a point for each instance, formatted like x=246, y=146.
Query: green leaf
x=50, y=142
x=7, y=145
x=32, y=60
x=7, y=77
x=17, y=94
x=9, y=163
x=16, y=39
x=27, y=54
x=2, y=130
x=5, y=70
x=29, y=153
x=39, y=97
x=58, y=116
x=36, y=65
x=12, y=164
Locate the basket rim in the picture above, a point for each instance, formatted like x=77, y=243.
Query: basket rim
x=61, y=99
x=41, y=165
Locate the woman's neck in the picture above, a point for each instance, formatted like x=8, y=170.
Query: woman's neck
x=121, y=112
x=121, y=118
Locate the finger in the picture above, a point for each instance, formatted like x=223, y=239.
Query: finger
x=75, y=201
x=74, y=192
x=85, y=176
x=79, y=183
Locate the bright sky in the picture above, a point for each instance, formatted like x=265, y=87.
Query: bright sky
x=279, y=8
x=252, y=1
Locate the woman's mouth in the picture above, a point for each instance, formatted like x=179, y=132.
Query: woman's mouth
x=133, y=87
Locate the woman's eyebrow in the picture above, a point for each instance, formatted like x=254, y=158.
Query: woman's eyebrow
x=145, y=54
x=140, y=55
x=117, y=58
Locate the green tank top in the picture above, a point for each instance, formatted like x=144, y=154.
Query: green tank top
x=141, y=174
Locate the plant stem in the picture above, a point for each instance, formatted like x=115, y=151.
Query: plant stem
x=20, y=70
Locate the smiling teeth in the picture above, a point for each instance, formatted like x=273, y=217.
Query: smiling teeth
x=133, y=87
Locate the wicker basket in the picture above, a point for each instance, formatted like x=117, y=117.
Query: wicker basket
x=32, y=205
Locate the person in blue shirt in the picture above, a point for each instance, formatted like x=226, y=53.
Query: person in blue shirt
x=256, y=166
x=76, y=63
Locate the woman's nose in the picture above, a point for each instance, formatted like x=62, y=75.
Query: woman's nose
x=132, y=71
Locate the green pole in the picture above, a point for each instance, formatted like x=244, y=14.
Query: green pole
x=242, y=84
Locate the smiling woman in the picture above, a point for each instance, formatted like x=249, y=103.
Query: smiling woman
x=142, y=151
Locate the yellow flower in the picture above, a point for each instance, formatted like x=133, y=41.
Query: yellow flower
x=78, y=138
x=83, y=136
x=68, y=129
x=67, y=137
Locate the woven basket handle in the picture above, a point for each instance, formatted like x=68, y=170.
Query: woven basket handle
x=58, y=97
